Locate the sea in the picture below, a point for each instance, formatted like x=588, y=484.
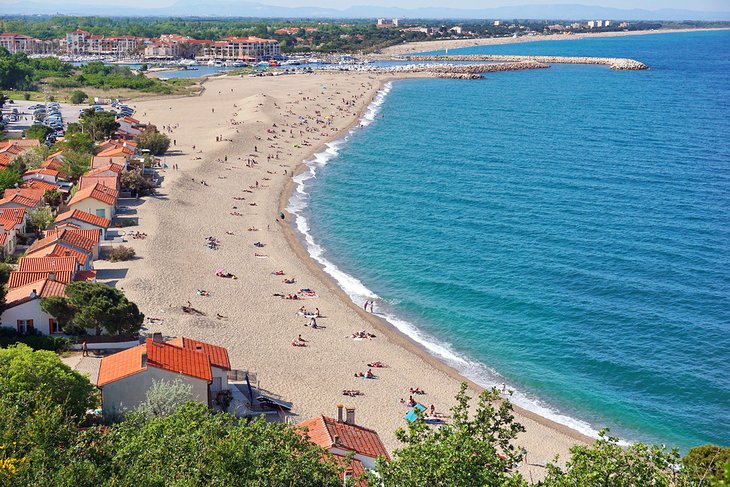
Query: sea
x=565, y=231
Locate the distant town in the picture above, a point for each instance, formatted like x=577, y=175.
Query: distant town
x=142, y=40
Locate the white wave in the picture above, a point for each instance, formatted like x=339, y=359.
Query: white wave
x=359, y=293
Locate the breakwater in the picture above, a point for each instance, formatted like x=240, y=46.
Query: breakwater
x=622, y=64
x=452, y=71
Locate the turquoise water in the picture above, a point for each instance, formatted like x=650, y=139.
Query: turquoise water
x=566, y=230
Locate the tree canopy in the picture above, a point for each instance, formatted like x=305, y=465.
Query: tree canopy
x=90, y=305
x=97, y=125
x=157, y=143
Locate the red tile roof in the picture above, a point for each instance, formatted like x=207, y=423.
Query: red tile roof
x=353, y=469
x=44, y=288
x=159, y=355
x=58, y=250
x=35, y=194
x=113, y=167
x=19, y=199
x=42, y=170
x=5, y=159
x=19, y=279
x=15, y=214
x=323, y=430
x=37, y=184
x=40, y=264
x=108, y=181
x=218, y=355
x=87, y=276
x=84, y=217
x=98, y=192
x=76, y=236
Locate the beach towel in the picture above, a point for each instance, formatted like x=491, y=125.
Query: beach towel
x=411, y=416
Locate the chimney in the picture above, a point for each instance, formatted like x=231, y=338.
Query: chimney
x=33, y=294
x=157, y=337
x=339, y=413
x=350, y=416
x=52, y=276
x=336, y=440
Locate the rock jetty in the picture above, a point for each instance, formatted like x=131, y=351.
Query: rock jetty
x=451, y=71
x=612, y=62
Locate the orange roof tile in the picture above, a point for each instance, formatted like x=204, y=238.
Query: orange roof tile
x=37, y=184
x=353, y=469
x=76, y=236
x=5, y=159
x=87, y=276
x=121, y=364
x=108, y=181
x=218, y=356
x=98, y=192
x=19, y=279
x=322, y=431
x=20, y=200
x=34, y=194
x=159, y=355
x=15, y=214
x=41, y=264
x=58, y=250
x=42, y=170
x=98, y=161
x=113, y=167
x=44, y=288
x=3, y=238
x=84, y=217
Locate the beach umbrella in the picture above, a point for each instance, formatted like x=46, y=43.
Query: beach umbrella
x=412, y=416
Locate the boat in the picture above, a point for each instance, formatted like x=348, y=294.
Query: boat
x=273, y=63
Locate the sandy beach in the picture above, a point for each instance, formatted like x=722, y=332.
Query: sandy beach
x=440, y=45
x=236, y=149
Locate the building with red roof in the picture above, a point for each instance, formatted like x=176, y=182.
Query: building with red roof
x=22, y=309
x=125, y=377
x=342, y=436
x=98, y=200
x=83, y=220
x=241, y=49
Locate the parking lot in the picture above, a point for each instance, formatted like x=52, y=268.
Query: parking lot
x=68, y=113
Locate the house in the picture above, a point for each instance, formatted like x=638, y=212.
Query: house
x=15, y=199
x=98, y=200
x=23, y=311
x=125, y=377
x=37, y=184
x=12, y=222
x=82, y=219
x=131, y=126
x=342, y=436
x=77, y=237
x=41, y=174
x=66, y=243
x=99, y=161
x=108, y=175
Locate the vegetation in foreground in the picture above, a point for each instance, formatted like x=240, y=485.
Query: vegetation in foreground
x=172, y=441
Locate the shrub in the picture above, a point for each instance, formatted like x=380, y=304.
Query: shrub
x=9, y=336
x=121, y=253
x=77, y=97
x=26, y=96
x=156, y=142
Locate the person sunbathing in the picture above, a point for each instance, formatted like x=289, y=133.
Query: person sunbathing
x=220, y=316
x=278, y=273
x=203, y=292
x=377, y=365
x=289, y=281
x=253, y=229
x=369, y=374
x=259, y=245
x=417, y=390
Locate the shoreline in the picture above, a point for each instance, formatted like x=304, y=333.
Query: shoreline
x=257, y=328
x=295, y=240
x=440, y=45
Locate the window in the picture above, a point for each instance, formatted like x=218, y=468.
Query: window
x=54, y=327
x=25, y=327
x=101, y=212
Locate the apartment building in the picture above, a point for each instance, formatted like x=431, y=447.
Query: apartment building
x=241, y=49
x=29, y=45
x=80, y=42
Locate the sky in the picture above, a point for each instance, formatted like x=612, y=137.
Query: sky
x=697, y=5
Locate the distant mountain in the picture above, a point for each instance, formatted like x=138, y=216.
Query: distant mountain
x=195, y=8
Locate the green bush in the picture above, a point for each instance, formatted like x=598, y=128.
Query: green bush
x=26, y=96
x=77, y=97
x=9, y=336
x=121, y=253
x=155, y=142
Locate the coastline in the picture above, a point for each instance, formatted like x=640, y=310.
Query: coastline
x=295, y=239
x=257, y=330
x=440, y=45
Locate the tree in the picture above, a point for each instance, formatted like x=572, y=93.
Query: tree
x=164, y=397
x=40, y=218
x=466, y=451
x=77, y=142
x=75, y=164
x=38, y=132
x=40, y=375
x=155, y=142
x=9, y=179
x=31, y=158
x=95, y=305
x=98, y=125
x=194, y=446
x=53, y=198
x=706, y=462
x=134, y=181
x=62, y=312
x=608, y=463
x=5, y=270
x=77, y=97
